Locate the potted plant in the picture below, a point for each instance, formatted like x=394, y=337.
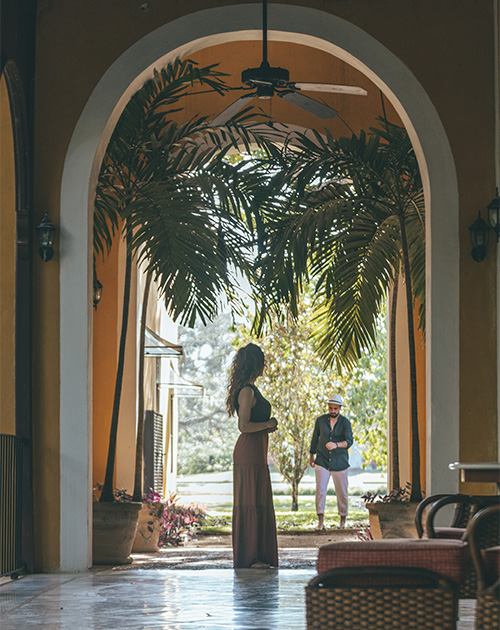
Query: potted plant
x=113, y=527
x=150, y=523
x=180, y=522
x=392, y=516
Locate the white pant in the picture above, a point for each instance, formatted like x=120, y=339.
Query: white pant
x=340, y=483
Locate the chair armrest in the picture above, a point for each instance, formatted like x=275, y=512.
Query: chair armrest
x=480, y=527
x=466, y=506
x=462, y=502
x=421, y=507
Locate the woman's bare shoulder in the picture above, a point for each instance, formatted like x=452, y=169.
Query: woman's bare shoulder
x=246, y=394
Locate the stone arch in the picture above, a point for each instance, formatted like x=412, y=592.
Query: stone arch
x=313, y=28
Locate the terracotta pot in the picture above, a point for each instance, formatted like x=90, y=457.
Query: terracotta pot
x=148, y=528
x=114, y=527
x=392, y=520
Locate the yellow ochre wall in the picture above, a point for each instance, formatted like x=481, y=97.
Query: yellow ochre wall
x=7, y=267
x=446, y=45
x=104, y=360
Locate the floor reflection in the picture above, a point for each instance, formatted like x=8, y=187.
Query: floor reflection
x=222, y=599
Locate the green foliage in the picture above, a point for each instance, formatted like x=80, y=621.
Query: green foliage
x=205, y=451
x=366, y=394
x=206, y=434
x=192, y=213
x=287, y=521
x=179, y=521
x=352, y=220
x=297, y=384
x=341, y=225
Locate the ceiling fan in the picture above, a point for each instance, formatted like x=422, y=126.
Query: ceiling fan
x=267, y=81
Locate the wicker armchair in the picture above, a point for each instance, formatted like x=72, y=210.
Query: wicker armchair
x=487, y=564
x=459, y=520
x=399, y=583
x=363, y=598
x=466, y=506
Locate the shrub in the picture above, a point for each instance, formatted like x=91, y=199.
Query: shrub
x=179, y=521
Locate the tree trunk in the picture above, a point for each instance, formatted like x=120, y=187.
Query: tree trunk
x=395, y=482
x=295, y=495
x=416, y=491
x=139, y=445
x=107, y=490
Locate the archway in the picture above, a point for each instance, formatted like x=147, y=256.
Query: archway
x=315, y=29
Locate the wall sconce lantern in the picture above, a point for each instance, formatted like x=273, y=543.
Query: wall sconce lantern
x=479, y=234
x=97, y=291
x=494, y=215
x=45, y=233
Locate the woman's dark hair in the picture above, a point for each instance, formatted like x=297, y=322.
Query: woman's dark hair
x=247, y=365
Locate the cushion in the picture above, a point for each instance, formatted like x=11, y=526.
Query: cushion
x=446, y=557
x=449, y=532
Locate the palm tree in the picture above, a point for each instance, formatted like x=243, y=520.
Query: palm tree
x=354, y=218
x=186, y=213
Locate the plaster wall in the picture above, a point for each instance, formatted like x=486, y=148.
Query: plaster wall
x=444, y=51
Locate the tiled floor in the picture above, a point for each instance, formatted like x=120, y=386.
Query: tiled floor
x=212, y=599
x=198, y=598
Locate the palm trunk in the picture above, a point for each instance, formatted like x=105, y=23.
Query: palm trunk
x=107, y=490
x=416, y=491
x=395, y=482
x=139, y=447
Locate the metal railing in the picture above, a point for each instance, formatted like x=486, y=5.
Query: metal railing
x=11, y=453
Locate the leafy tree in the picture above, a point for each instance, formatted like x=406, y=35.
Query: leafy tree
x=206, y=434
x=366, y=394
x=297, y=383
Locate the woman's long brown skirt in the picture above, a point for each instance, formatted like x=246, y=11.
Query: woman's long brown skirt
x=254, y=522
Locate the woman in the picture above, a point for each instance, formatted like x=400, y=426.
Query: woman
x=255, y=542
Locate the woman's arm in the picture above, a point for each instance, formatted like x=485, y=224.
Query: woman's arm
x=246, y=400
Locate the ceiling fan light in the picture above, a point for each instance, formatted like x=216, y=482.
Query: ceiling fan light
x=265, y=91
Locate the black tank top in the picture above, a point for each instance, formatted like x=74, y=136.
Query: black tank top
x=261, y=411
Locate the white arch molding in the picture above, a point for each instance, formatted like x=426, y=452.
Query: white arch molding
x=313, y=28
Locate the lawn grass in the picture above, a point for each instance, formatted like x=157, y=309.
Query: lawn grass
x=304, y=519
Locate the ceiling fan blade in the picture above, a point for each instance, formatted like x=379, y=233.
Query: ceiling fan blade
x=309, y=104
x=234, y=108
x=330, y=87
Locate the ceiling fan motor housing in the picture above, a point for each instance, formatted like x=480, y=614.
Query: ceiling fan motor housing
x=277, y=77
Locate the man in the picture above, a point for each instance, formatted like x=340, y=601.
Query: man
x=331, y=439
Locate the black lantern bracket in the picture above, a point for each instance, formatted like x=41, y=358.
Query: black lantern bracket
x=46, y=232
x=479, y=235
